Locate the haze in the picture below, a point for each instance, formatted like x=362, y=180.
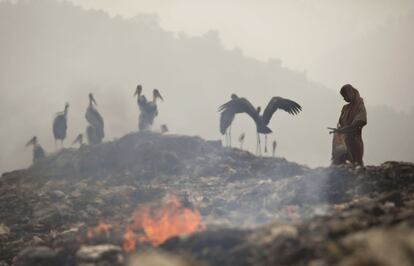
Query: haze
x=333, y=41
x=197, y=53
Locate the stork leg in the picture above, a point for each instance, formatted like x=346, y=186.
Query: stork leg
x=230, y=136
x=56, y=148
x=265, y=144
x=258, y=146
x=257, y=143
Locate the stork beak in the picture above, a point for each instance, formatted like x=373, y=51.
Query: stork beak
x=92, y=99
x=157, y=94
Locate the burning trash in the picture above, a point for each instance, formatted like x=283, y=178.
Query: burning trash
x=153, y=224
x=46, y=216
x=159, y=223
x=100, y=229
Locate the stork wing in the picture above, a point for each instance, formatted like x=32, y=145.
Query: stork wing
x=94, y=117
x=224, y=106
x=59, y=127
x=59, y=122
x=237, y=106
x=226, y=118
x=275, y=103
x=142, y=102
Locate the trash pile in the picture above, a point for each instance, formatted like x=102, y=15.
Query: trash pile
x=375, y=228
x=76, y=207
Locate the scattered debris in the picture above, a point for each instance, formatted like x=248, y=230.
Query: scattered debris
x=75, y=205
x=109, y=253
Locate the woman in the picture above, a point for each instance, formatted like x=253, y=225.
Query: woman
x=353, y=118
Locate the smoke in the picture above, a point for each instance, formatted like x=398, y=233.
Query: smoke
x=57, y=53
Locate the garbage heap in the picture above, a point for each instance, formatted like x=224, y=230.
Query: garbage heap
x=76, y=206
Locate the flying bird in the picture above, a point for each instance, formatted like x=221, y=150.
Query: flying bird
x=38, y=151
x=60, y=126
x=95, y=130
x=239, y=105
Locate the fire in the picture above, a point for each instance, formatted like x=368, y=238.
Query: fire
x=154, y=224
x=101, y=228
x=161, y=223
x=129, y=241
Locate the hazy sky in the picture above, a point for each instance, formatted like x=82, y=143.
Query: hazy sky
x=57, y=53
x=304, y=34
x=285, y=29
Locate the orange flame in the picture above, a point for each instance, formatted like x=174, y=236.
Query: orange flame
x=129, y=241
x=162, y=223
x=101, y=228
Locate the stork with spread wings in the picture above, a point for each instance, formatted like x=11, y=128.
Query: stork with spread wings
x=238, y=105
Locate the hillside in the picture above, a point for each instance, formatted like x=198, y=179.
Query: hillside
x=47, y=211
x=54, y=52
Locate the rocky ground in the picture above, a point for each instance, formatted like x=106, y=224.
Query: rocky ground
x=255, y=211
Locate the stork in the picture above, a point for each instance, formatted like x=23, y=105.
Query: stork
x=152, y=108
x=60, y=126
x=241, y=105
x=148, y=109
x=141, y=100
x=38, y=151
x=95, y=130
x=142, y=103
